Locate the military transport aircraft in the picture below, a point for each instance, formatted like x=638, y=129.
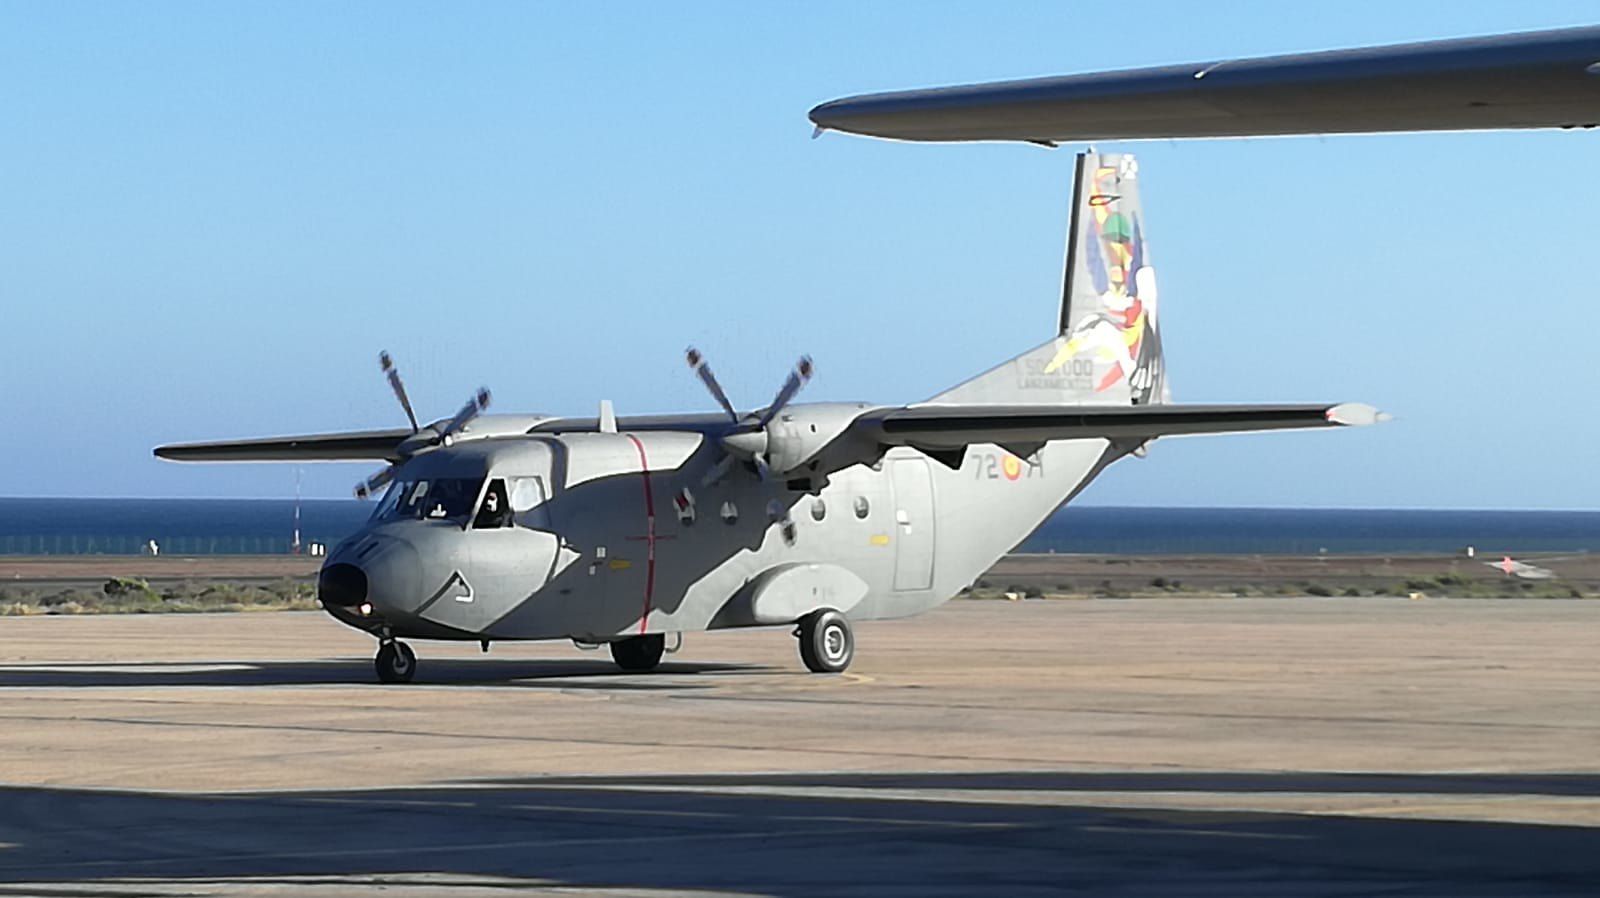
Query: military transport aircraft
x=623, y=531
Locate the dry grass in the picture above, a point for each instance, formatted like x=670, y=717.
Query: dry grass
x=130, y=595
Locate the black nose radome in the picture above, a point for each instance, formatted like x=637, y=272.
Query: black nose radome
x=342, y=585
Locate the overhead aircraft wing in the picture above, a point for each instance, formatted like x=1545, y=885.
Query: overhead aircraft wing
x=348, y=446
x=1541, y=79
x=944, y=431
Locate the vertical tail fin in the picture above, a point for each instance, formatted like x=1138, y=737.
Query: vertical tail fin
x=1107, y=350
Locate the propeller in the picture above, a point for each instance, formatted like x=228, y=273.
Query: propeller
x=474, y=407
x=376, y=482
x=748, y=436
x=791, y=385
x=443, y=436
x=698, y=363
x=398, y=387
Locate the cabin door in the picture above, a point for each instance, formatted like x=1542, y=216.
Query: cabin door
x=913, y=523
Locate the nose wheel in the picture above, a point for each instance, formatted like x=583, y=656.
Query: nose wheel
x=396, y=663
x=826, y=642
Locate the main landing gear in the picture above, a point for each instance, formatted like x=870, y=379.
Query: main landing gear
x=637, y=654
x=826, y=642
x=396, y=663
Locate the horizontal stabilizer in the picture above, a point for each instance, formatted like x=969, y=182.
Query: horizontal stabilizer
x=349, y=446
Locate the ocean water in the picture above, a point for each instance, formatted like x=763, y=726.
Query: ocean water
x=265, y=526
x=179, y=526
x=1309, y=531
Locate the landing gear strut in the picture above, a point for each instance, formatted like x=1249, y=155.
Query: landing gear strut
x=826, y=642
x=639, y=653
x=396, y=663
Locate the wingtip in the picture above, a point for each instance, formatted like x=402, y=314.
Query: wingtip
x=1356, y=414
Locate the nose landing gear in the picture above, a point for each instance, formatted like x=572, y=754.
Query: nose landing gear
x=396, y=663
x=826, y=641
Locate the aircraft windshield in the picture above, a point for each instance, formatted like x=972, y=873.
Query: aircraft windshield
x=512, y=500
x=443, y=499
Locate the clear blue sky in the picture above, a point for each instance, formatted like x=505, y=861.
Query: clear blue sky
x=213, y=216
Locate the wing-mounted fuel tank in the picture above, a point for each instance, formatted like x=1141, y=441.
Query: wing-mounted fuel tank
x=788, y=592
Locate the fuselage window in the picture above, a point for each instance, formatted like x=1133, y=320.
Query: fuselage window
x=819, y=509
x=495, y=512
x=862, y=507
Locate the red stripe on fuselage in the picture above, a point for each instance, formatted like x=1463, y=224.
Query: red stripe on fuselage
x=649, y=534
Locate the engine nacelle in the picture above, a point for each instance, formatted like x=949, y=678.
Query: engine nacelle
x=800, y=433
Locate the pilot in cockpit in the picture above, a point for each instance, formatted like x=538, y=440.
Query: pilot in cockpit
x=496, y=510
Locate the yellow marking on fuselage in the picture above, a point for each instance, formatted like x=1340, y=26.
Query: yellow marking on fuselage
x=879, y=539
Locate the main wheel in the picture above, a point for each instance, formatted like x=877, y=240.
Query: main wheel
x=639, y=653
x=396, y=663
x=826, y=643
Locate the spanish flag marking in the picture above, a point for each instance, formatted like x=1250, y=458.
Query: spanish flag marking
x=1011, y=466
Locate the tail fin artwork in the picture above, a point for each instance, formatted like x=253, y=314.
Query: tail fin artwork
x=1108, y=347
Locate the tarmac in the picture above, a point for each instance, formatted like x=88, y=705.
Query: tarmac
x=1221, y=747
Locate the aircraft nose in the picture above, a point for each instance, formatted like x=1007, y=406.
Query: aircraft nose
x=394, y=574
x=342, y=585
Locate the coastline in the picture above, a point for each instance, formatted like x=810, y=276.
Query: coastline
x=1136, y=576
x=86, y=584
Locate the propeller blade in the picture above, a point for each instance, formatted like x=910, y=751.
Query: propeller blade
x=797, y=379
x=378, y=481
x=719, y=470
x=698, y=363
x=778, y=514
x=472, y=409
x=398, y=387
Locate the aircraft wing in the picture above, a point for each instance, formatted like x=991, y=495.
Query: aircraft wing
x=1542, y=79
x=939, y=428
x=348, y=446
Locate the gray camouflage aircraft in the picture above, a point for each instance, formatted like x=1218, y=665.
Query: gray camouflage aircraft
x=623, y=531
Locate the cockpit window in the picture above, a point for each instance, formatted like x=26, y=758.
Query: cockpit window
x=528, y=496
x=526, y=493
x=495, y=511
x=390, y=499
x=443, y=499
